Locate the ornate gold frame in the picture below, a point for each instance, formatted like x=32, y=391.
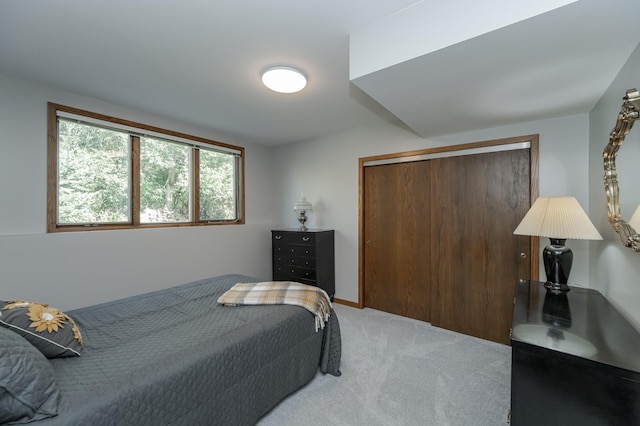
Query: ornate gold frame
x=629, y=113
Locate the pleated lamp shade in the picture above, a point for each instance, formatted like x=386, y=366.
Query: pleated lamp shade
x=559, y=218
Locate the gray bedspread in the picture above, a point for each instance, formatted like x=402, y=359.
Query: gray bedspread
x=176, y=357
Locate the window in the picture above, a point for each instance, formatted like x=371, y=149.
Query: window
x=109, y=173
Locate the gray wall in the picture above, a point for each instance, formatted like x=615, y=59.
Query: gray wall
x=616, y=270
x=69, y=270
x=327, y=170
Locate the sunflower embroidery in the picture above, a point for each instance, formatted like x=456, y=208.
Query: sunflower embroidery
x=45, y=318
x=74, y=328
x=13, y=304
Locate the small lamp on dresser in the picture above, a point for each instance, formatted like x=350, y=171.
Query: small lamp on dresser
x=559, y=219
x=302, y=206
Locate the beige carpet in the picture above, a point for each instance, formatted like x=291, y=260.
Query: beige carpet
x=399, y=371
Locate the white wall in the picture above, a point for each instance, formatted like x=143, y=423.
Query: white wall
x=616, y=269
x=76, y=269
x=327, y=170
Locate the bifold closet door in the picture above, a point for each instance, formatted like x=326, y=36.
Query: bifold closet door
x=477, y=202
x=397, y=239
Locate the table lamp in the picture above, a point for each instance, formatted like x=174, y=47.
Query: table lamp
x=559, y=219
x=302, y=206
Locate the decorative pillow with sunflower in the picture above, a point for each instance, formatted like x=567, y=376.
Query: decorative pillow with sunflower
x=50, y=330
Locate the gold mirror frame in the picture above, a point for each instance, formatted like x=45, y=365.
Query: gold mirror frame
x=629, y=113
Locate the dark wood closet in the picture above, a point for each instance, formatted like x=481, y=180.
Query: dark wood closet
x=397, y=239
x=436, y=231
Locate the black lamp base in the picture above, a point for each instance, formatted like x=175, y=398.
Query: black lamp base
x=555, y=309
x=557, y=261
x=556, y=287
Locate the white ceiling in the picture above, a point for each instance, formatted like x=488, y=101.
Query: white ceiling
x=199, y=61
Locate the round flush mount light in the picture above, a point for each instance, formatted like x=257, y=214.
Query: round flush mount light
x=284, y=79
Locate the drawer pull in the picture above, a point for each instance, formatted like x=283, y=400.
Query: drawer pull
x=278, y=237
x=305, y=238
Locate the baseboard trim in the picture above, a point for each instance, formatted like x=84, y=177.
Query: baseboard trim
x=347, y=303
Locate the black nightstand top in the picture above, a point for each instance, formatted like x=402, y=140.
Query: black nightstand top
x=580, y=322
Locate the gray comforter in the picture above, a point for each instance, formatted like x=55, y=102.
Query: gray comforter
x=176, y=357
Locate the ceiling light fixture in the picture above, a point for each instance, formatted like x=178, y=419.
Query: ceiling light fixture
x=284, y=79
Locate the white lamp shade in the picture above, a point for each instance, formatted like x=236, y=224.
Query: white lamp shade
x=635, y=220
x=302, y=205
x=558, y=217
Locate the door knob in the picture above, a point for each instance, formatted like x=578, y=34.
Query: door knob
x=523, y=255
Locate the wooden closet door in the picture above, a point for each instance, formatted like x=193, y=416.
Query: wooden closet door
x=396, y=239
x=477, y=201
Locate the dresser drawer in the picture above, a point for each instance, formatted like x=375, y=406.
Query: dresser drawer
x=305, y=262
x=293, y=250
x=282, y=277
x=304, y=238
x=293, y=273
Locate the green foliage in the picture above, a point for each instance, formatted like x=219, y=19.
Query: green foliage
x=94, y=178
x=164, y=181
x=217, y=190
x=93, y=174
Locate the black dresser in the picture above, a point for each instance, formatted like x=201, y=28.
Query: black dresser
x=575, y=360
x=304, y=256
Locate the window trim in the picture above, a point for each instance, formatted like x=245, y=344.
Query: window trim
x=56, y=110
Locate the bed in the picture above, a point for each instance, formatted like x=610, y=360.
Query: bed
x=177, y=357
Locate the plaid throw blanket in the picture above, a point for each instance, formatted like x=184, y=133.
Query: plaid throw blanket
x=312, y=298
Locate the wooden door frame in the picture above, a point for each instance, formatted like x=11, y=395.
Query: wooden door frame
x=533, y=192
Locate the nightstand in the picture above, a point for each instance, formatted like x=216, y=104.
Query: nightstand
x=304, y=256
x=575, y=360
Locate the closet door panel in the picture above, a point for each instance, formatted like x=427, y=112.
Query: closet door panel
x=397, y=239
x=477, y=201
